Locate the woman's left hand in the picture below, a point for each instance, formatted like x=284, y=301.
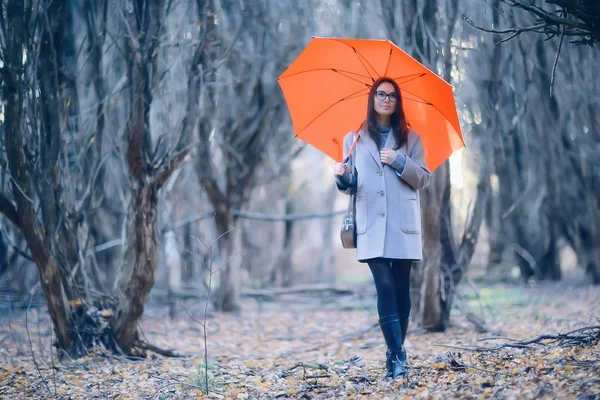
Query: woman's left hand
x=387, y=155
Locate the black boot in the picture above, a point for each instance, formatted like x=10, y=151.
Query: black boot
x=404, y=328
x=392, y=333
x=388, y=364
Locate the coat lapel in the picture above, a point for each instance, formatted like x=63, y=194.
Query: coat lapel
x=371, y=146
x=390, y=143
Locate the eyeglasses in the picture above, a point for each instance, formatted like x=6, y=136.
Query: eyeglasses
x=380, y=95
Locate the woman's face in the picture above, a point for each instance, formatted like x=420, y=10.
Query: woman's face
x=385, y=99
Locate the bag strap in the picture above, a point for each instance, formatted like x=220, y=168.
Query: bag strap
x=350, y=158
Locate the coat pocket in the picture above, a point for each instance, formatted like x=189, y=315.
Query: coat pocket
x=410, y=216
x=361, y=213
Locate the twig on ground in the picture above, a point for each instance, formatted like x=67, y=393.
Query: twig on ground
x=453, y=364
x=482, y=349
x=317, y=376
x=361, y=378
x=52, y=359
x=491, y=371
x=12, y=334
x=31, y=347
x=304, y=366
x=205, y=389
x=496, y=392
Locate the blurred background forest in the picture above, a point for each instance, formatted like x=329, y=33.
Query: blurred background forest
x=146, y=152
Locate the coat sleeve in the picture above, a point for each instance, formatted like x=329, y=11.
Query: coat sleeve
x=415, y=171
x=346, y=183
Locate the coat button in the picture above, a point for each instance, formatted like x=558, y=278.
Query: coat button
x=382, y=214
x=380, y=172
x=381, y=193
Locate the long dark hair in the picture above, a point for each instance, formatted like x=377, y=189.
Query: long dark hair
x=398, y=120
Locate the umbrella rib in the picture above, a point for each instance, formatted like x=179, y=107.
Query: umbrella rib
x=349, y=77
x=423, y=101
x=329, y=108
x=361, y=58
x=387, y=65
x=412, y=77
x=417, y=96
x=356, y=95
x=326, y=69
x=428, y=103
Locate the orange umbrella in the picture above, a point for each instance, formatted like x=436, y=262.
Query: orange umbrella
x=326, y=91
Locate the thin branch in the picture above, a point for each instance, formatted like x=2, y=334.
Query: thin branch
x=173, y=162
x=513, y=31
x=14, y=181
x=562, y=36
x=92, y=183
x=582, y=25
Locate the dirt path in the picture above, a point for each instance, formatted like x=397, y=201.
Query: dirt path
x=291, y=351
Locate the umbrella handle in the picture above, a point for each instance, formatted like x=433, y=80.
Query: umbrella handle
x=347, y=158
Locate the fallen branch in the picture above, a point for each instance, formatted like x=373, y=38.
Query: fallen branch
x=297, y=290
x=158, y=350
x=254, y=216
x=452, y=363
x=317, y=376
x=265, y=293
x=580, y=336
x=304, y=367
x=310, y=366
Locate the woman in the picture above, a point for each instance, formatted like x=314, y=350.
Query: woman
x=389, y=169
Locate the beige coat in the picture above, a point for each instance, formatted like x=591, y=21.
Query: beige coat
x=388, y=213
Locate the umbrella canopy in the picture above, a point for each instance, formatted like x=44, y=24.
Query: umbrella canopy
x=327, y=86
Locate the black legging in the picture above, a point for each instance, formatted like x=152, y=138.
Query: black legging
x=392, y=281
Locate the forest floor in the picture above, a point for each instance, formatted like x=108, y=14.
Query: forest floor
x=302, y=348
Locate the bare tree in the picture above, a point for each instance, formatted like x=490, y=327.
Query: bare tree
x=149, y=167
x=37, y=59
x=243, y=107
x=545, y=179
x=416, y=26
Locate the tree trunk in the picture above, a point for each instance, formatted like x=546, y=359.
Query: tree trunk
x=429, y=305
x=325, y=268
x=593, y=254
x=281, y=274
x=189, y=261
x=27, y=222
x=229, y=265
x=140, y=261
x=286, y=266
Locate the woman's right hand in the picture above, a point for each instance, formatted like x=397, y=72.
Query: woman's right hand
x=340, y=169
